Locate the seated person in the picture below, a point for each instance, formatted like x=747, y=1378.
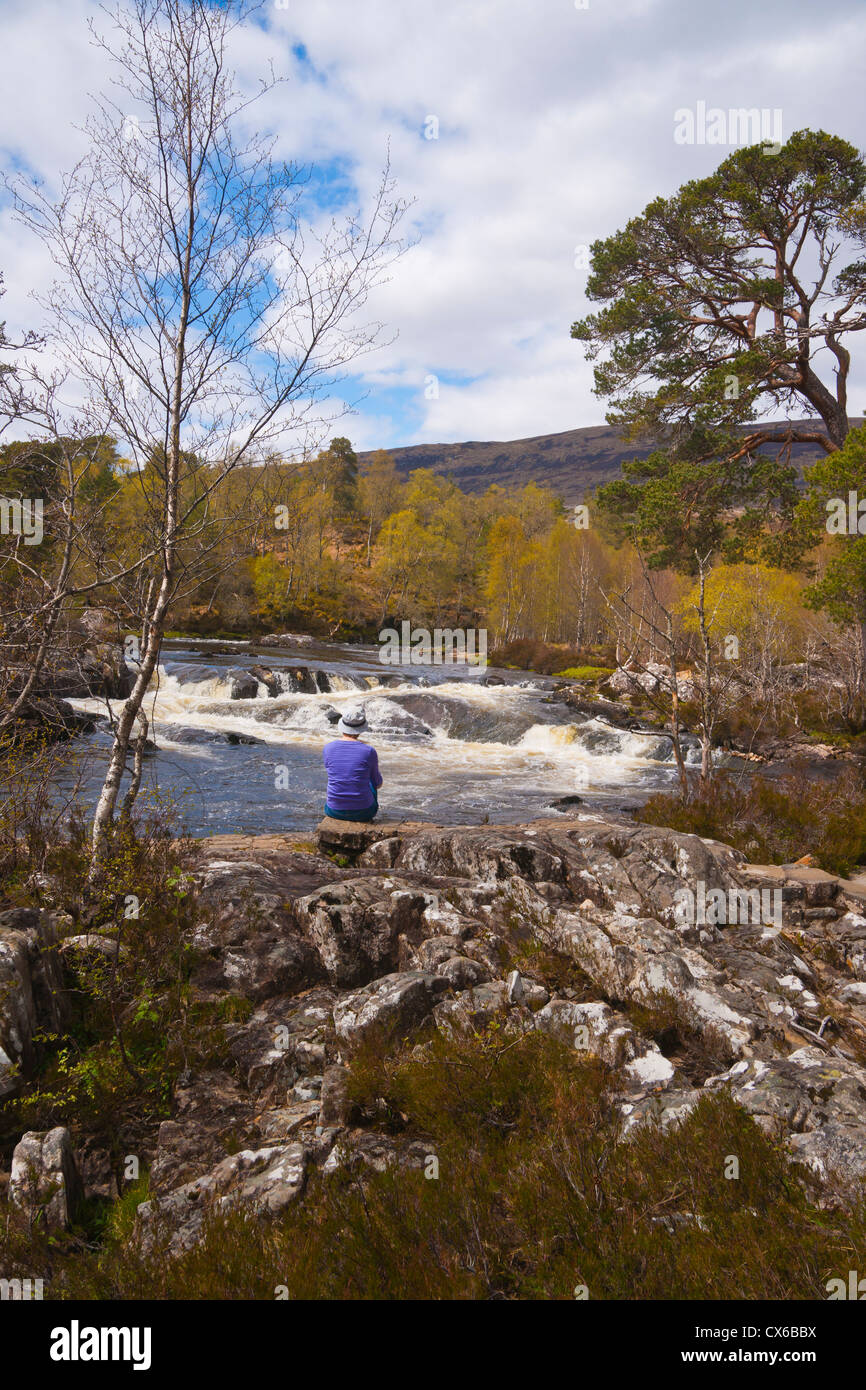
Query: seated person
x=353, y=771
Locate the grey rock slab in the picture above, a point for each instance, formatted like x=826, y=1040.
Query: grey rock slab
x=393, y=1006
x=265, y=1179
x=45, y=1181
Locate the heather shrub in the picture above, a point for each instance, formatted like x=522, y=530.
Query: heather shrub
x=534, y=1195
x=774, y=821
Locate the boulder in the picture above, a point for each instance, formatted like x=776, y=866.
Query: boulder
x=286, y=639
x=269, y=964
x=390, y=1007
x=209, y=1111
x=253, y=948
x=651, y=1070
x=355, y=926
x=379, y=1152
x=335, y=1104
x=288, y=1121
x=815, y=1101
x=17, y=1012
x=45, y=1182
x=244, y=686
x=47, y=719
x=461, y=972
x=105, y=671
x=298, y=679
x=593, y=1028
x=266, y=1180
x=31, y=990
x=821, y=1098
x=284, y=1040
x=268, y=679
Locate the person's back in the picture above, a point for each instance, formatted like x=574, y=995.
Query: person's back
x=353, y=772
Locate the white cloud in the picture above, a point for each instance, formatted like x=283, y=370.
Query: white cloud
x=556, y=125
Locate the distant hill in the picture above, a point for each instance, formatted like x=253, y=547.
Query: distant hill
x=573, y=463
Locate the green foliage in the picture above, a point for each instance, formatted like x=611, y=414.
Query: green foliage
x=678, y=508
x=134, y=1023
x=342, y=463
x=701, y=290
x=586, y=673
x=841, y=588
x=702, y=327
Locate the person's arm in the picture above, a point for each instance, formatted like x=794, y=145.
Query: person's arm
x=375, y=774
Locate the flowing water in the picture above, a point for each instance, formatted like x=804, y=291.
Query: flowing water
x=454, y=744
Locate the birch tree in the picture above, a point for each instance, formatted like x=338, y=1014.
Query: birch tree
x=203, y=314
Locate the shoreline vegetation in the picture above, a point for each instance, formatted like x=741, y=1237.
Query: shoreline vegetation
x=220, y=1123
x=413, y=1060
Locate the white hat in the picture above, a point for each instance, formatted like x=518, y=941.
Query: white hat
x=354, y=721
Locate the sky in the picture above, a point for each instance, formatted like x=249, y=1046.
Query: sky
x=553, y=122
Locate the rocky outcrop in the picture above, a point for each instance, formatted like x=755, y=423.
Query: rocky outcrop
x=286, y=639
x=355, y=927
x=87, y=661
x=390, y=1007
x=17, y=1018
x=683, y=968
x=31, y=987
x=653, y=679
x=244, y=686
x=98, y=668
x=45, y=1181
x=267, y=1179
x=46, y=719
x=294, y=679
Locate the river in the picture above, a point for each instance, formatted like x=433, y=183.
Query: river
x=455, y=743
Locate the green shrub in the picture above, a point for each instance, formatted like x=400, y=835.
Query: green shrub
x=586, y=673
x=531, y=654
x=775, y=821
x=536, y=1194
x=134, y=1024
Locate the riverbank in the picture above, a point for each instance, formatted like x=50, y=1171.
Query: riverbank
x=323, y=964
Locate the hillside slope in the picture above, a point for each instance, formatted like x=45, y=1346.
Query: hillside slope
x=572, y=463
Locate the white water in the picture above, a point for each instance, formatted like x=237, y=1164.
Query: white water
x=451, y=750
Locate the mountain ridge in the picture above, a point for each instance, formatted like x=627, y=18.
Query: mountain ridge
x=573, y=463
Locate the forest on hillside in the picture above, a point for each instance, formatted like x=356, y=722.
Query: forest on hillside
x=340, y=548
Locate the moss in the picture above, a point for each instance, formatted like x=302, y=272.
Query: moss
x=586, y=673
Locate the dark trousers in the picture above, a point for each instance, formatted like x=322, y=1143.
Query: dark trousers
x=365, y=813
